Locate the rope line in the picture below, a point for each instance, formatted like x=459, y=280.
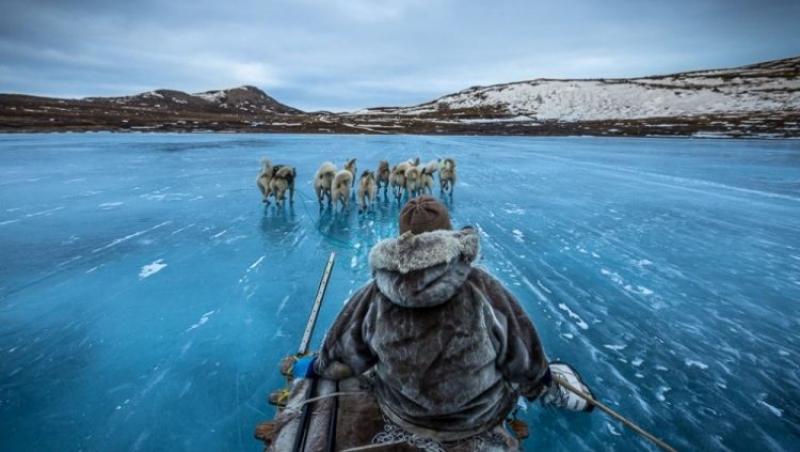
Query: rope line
x=374, y=446
x=323, y=397
x=339, y=242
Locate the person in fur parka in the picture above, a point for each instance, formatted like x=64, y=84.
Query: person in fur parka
x=450, y=348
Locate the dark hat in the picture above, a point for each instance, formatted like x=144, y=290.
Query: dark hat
x=424, y=214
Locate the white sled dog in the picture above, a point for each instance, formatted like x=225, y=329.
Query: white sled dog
x=341, y=188
x=262, y=181
x=366, y=190
x=413, y=180
x=323, y=181
x=382, y=176
x=426, y=177
x=447, y=176
x=398, y=179
x=283, y=177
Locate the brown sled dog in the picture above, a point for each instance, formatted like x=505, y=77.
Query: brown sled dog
x=413, y=180
x=276, y=178
x=283, y=177
x=262, y=181
x=382, y=176
x=447, y=176
x=367, y=189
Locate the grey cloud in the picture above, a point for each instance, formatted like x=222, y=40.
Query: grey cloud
x=345, y=54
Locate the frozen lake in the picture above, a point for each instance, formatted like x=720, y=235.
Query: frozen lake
x=146, y=294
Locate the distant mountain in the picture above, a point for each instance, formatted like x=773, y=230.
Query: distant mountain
x=771, y=86
x=761, y=100
x=244, y=99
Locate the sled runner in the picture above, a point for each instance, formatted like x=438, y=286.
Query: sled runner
x=316, y=414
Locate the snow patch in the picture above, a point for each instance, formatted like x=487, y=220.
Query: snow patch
x=587, y=100
x=614, y=276
x=776, y=411
x=695, y=363
x=151, y=269
x=616, y=348
x=203, y=320
x=661, y=391
x=578, y=320
x=514, y=210
x=282, y=305
x=255, y=264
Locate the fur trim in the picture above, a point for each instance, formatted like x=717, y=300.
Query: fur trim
x=411, y=252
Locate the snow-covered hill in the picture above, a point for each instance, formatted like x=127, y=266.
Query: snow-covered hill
x=771, y=86
x=756, y=101
x=244, y=98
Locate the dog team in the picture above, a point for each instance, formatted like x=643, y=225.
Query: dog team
x=407, y=178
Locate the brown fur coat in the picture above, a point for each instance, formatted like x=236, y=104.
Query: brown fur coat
x=451, y=348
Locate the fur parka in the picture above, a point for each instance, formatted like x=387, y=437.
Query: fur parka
x=451, y=348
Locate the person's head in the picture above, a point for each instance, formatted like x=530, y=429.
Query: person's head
x=424, y=214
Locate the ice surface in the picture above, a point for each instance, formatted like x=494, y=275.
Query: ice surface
x=685, y=252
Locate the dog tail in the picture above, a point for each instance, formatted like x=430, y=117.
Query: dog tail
x=326, y=170
x=431, y=168
x=285, y=172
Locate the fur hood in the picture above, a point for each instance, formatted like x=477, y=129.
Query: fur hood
x=411, y=252
x=424, y=270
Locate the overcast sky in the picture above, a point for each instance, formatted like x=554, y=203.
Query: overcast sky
x=347, y=54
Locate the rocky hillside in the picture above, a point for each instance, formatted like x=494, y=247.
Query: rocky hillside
x=230, y=109
x=246, y=99
x=760, y=100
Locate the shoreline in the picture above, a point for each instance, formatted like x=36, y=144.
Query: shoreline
x=326, y=134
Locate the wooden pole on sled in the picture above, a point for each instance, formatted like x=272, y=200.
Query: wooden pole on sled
x=302, y=432
x=312, y=318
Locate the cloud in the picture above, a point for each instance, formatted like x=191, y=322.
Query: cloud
x=370, y=11
x=347, y=54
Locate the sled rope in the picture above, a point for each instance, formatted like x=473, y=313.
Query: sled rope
x=323, y=397
x=329, y=237
x=627, y=422
x=374, y=446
